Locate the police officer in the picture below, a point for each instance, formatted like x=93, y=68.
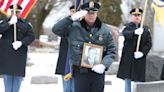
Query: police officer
x=13, y=54
x=132, y=64
x=89, y=30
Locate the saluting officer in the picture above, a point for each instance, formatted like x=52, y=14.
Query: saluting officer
x=13, y=54
x=132, y=64
x=88, y=30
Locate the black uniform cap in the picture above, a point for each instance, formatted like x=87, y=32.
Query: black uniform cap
x=136, y=11
x=91, y=6
x=18, y=7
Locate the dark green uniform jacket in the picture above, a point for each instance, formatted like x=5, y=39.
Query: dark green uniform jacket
x=12, y=61
x=130, y=67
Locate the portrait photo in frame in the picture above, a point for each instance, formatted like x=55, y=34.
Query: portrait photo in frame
x=92, y=55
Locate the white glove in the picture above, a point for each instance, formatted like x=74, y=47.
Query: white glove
x=138, y=54
x=17, y=44
x=13, y=20
x=78, y=15
x=139, y=31
x=100, y=68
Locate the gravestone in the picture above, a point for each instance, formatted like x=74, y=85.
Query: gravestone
x=154, y=65
x=44, y=80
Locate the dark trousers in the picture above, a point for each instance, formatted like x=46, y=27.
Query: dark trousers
x=88, y=81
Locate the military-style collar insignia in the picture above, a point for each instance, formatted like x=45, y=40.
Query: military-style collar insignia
x=91, y=4
x=101, y=37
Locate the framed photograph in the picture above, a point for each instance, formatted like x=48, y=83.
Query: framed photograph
x=92, y=55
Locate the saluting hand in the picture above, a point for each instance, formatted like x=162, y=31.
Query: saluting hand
x=78, y=15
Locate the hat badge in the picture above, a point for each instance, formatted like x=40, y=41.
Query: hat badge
x=137, y=10
x=91, y=4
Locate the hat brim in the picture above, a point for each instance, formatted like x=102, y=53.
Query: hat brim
x=91, y=10
x=15, y=9
x=136, y=13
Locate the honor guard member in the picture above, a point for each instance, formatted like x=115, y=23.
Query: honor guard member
x=90, y=30
x=133, y=63
x=63, y=64
x=14, y=53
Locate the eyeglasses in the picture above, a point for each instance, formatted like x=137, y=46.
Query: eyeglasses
x=136, y=14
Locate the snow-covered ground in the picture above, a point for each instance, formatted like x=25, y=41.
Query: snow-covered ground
x=44, y=64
